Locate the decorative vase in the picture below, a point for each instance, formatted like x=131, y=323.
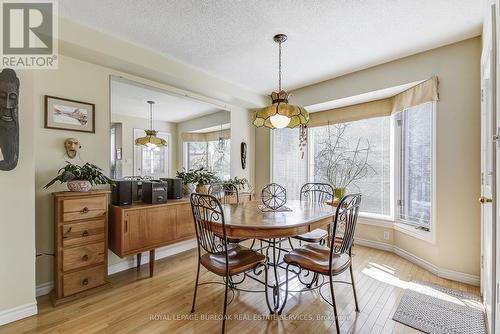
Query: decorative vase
x=79, y=185
x=339, y=193
x=201, y=189
x=187, y=189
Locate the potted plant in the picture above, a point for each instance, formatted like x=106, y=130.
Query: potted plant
x=200, y=176
x=342, y=161
x=239, y=183
x=80, y=178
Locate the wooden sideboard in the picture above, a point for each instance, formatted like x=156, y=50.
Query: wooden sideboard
x=141, y=227
x=81, y=247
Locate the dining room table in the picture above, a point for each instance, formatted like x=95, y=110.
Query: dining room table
x=273, y=229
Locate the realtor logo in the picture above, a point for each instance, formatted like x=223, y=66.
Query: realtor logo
x=29, y=34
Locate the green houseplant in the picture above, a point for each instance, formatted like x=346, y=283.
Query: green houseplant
x=201, y=177
x=239, y=183
x=80, y=178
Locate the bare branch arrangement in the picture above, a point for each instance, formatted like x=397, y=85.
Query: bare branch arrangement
x=340, y=161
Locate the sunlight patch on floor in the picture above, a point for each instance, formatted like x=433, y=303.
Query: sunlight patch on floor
x=374, y=271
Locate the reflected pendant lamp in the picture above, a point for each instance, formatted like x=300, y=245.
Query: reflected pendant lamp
x=280, y=114
x=151, y=140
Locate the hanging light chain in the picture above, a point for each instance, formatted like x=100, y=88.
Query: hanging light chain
x=151, y=116
x=279, y=68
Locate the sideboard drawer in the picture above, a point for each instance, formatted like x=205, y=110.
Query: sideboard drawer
x=78, y=233
x=84, y=214
x=84, y=208
x=83, y=256
x=83, y=280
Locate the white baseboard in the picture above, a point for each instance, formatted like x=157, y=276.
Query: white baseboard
x=18, y=313
x=131, y=262
x=44, y=288
x=440, y=272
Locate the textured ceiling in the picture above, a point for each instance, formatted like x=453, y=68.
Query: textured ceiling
x=327, y=38
x=129, y=99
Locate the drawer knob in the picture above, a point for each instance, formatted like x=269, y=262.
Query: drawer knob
x=85, y=281
x=85, y=210
x=85, y=257
x=85, y=234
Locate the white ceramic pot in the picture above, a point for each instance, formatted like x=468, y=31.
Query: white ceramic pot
x=79, y=185
x=188, y=189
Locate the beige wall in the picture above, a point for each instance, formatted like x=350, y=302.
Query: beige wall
x=87, y=59
x=457, y=245
x=92, y=85
x=128, y=126
x=79, y=81
x=17, y=211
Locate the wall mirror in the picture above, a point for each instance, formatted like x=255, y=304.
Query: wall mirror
x=197, y=133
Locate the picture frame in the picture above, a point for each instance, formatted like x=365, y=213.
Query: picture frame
x=69, y=115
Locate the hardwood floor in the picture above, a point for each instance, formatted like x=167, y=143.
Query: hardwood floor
x=138, y=304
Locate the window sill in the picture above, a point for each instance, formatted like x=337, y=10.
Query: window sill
x=387, y=222
x=375, y=220
x=427, y=236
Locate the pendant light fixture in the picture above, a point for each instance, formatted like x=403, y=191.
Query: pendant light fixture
x=151, y=140
x=281, y=114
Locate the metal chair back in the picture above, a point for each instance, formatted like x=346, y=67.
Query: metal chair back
x=344, y=224
x=224, y=192
x=206, y=211
x=316, y=192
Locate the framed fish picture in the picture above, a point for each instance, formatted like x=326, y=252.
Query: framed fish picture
x=66, y=114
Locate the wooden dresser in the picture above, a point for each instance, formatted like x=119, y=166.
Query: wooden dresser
x=81, y=243
x=141, y=227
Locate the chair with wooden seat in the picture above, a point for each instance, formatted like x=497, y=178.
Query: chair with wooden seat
x=317, y=193
x=215, y=252
x=334, y=259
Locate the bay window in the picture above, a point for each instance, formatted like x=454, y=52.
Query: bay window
x=387, y=159
x=211, y=155
x=414, y=130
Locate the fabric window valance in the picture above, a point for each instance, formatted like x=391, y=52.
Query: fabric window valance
x=207, y=136
x=422, y=92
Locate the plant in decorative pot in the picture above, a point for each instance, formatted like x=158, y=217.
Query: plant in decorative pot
x=201, y=177
x=187, y=178
x=239, y=183
x=341, y=160
x=80, y=178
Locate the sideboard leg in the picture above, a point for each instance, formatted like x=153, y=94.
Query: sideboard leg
x=151, y=262
x=139, y=256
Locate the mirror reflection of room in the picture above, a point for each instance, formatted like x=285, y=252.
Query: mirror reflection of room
x=196, y=134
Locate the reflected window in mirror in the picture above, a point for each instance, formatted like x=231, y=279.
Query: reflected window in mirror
x=151, y=162
x=213, y=155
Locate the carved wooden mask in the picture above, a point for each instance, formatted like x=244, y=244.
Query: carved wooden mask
x=9, y=120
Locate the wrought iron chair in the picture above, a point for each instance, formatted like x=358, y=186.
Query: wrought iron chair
x=215, y=253
x=334, y=259
x=317, y=193
x=225, y=193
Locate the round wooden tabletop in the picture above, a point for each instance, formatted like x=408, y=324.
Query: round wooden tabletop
x=247, y=220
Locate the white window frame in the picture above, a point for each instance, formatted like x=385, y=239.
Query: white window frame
x=398, y=225
x=185, y=155
x=393, y=219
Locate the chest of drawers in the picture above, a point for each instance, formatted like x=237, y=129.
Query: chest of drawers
x=81, y=243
